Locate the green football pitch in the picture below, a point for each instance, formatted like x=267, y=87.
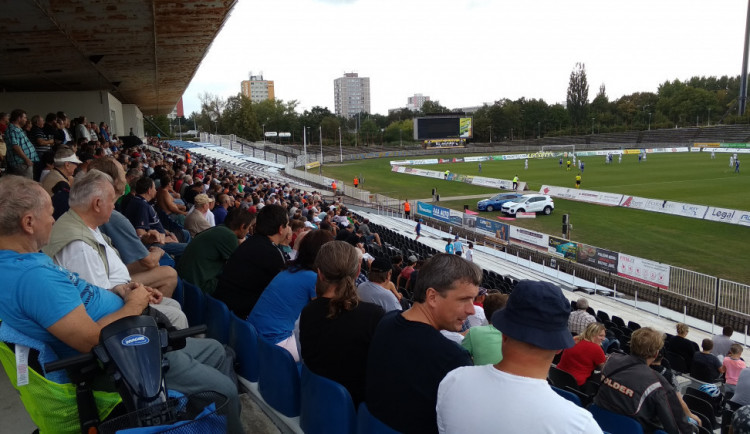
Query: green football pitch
x=713, y=248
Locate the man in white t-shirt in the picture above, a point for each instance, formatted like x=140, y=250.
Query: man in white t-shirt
x=513, y=395
x=77, y=244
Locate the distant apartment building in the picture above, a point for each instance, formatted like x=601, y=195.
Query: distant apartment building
x=257, y=89
x=415, y=102
x=351, y=94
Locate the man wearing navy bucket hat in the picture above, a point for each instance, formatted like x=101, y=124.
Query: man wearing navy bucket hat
x=480, y=399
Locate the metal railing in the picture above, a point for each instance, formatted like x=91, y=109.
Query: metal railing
x=734, y=296
x=692, y=284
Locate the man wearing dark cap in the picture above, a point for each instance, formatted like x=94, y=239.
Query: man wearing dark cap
x=409, y=356
x=374, y=290
x=513, y=395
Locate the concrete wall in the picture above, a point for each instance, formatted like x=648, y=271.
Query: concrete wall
x=132, y=118
x=96, y=105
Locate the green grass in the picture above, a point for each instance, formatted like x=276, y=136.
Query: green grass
x=684, y=177
x=713, y=248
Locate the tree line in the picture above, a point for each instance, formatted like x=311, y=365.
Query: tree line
x=698, y=101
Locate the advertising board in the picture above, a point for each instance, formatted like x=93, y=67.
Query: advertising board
x=726, y=215
x=597, y=197
x=665, y=206
x=643, y=270
x=563, y=248
x=528, y=237
x=497, y=229
x=602, y=259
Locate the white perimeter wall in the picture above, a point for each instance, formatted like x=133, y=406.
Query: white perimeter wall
x=96, y=105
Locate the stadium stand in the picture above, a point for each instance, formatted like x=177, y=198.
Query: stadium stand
x=295, y=399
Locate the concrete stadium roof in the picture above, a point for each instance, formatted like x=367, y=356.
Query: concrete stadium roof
x=144, y=52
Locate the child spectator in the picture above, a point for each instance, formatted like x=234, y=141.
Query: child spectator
x=733, y=365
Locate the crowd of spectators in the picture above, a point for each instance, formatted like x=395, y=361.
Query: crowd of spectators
x=124, y=224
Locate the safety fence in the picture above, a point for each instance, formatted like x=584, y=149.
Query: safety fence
x=682, y=283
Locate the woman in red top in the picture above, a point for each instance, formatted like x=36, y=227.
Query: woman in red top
x=586, y=355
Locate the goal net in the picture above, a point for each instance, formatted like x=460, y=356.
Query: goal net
x=554, y=151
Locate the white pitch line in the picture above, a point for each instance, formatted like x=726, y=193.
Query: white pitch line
x=668, y=182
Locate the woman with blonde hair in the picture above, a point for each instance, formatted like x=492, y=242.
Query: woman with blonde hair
x=683, y=346
x=586, y=355
x=336, y=328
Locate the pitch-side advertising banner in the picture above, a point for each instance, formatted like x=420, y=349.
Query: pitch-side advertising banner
x=424, y=209
x=414, y=162
x=598, y=197
x=425, y=173
x=531, y=238
x=601, y=259
x=644, y=271
x=726, y=215
x=436, y=212
x=497, y=229
x=563, y=248
x=502, y=184
x=665, y=206
x=442, y=214
x=456, y=217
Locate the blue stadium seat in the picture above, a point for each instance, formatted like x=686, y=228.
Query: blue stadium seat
x=326, y=406
x=217, y=319
x=193, y=303
x=243, y=338
x=570, y=396
x=615, y=423
x=278, y=378
x=369, y=424
x=179, y=292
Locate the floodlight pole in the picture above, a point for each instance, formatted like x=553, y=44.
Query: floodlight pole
x=304, y=144
x=743, y=76
x=341, y=150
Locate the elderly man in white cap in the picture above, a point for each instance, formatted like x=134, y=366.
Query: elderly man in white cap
x=196, y=221
x=513, y=395
x=66, y=163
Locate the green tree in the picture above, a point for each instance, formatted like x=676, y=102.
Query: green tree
x=369, y=133
x=400, y=115
x=211, y=108
x=602, y=110
x=277, y=116
x=578, y=95
x=161, y=128
x=400, y=132
x=433, y=107
x=239, y=118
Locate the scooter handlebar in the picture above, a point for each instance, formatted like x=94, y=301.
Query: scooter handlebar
x=69, y=362
x=188, y=332
x=86, y=358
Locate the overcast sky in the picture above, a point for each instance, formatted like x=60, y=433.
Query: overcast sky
x=469, y=52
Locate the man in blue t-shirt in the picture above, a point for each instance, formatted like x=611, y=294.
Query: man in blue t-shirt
x=408, y=353
x=53, y=305
x=142, y=216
